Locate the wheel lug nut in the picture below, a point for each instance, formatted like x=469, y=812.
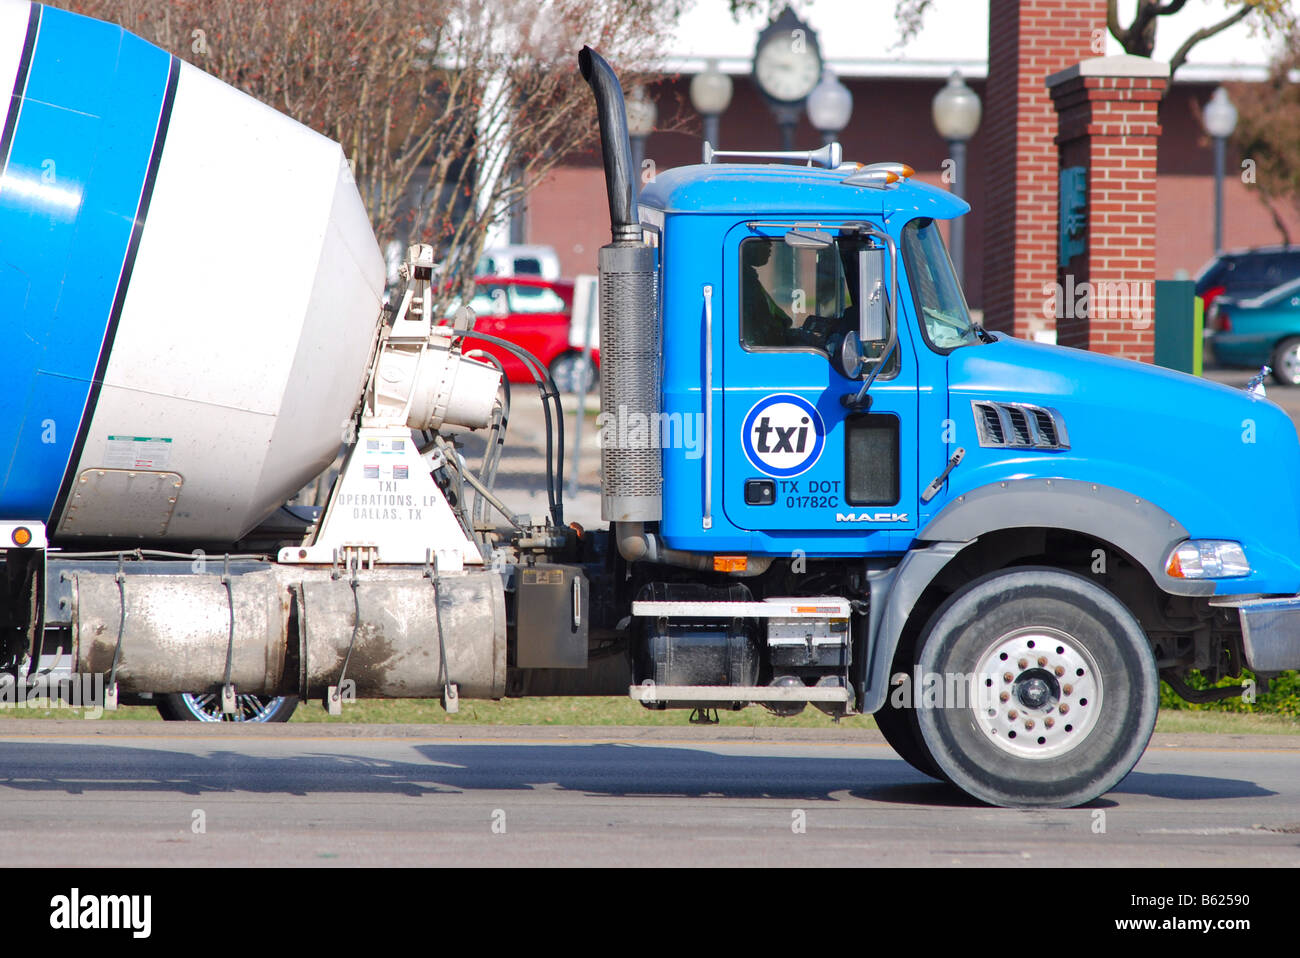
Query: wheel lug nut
x=1065, y=709
x=1013, y=714
x=1067, y=689
x=1004, y=697
x=1023, y=663
x=1049, y=721
x=1042, y=660
x=1006, y=676
x=1029, y=724
x=1059, y=671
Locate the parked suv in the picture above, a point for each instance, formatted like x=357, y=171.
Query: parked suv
x=1246, y=273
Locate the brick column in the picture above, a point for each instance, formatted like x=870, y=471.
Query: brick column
x=1107, y=108
x=1028, y=40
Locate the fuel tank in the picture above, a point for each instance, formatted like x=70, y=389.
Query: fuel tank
x=189, y=289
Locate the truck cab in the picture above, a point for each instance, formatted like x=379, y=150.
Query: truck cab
x=871, y=504
x=797, y=461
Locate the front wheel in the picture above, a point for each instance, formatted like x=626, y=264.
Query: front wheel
x=206, y=707
x=1286, y=362
x=1048, y=690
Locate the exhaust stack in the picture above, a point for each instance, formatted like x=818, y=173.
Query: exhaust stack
x=631, y=463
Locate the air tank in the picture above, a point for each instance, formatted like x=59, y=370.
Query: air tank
x=189, y=291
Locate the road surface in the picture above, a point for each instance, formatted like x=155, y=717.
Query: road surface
x=80, y=793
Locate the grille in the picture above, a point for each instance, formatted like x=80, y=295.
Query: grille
x=989, y=423
x=1008, y=425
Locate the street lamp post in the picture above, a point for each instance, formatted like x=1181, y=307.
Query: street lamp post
x=829, y=106
x=1220, y=120
x=956, y=114
x=711, y=95
x=641, y=116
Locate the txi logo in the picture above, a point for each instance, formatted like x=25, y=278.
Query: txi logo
x=783, y=435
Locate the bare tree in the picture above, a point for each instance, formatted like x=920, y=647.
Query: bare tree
x=1268, y=133
x=448, y=110
x=1139, y=37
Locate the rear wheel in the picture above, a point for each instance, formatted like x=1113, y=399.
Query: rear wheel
x=206, y=707
x=1286, y=362
x=1049, y=689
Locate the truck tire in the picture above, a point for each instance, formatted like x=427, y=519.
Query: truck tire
x=192, y=707
x=1060, y=689
x=899, y=726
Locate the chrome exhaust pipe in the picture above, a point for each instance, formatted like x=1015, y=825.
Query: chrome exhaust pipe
x=632, y=469
x=615, y=145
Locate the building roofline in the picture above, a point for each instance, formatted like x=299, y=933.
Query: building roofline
x=883, y=68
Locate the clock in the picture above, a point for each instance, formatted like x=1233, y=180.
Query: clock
x=787, y=61
x=785, y=72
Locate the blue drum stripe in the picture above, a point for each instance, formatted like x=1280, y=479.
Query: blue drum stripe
x=20, y=84
x=88, y=126
x=124, y=281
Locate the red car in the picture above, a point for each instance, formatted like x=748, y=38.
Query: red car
x=534, y=314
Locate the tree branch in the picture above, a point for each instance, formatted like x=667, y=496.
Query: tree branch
x=1180, y=57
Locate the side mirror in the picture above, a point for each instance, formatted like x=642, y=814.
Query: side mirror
x=872, y=314
x=848, y=357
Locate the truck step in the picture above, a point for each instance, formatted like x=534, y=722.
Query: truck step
x=651, y=694
x=802, y=607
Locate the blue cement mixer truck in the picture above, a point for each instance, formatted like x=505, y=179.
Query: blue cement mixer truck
x=824, y=484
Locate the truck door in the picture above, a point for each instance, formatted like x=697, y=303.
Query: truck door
x=795, y=457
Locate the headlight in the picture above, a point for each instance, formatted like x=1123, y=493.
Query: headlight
x=1207, y=559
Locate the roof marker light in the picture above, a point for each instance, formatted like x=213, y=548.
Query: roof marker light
x=901, y=169
x=876, y=179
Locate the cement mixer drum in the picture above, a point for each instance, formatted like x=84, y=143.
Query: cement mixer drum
x=189, y=289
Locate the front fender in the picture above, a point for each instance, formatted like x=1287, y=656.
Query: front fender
x=1138, y=528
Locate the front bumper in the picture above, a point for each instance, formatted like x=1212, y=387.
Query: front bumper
x=1270, y=631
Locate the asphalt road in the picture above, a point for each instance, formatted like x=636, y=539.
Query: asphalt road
x=123, y=793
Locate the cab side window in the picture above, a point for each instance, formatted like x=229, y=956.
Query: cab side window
x=798, y=298
x=790, y=298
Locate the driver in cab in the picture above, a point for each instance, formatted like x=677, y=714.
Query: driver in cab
x=764, y=323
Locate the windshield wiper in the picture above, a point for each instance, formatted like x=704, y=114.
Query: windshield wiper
x=983, y=334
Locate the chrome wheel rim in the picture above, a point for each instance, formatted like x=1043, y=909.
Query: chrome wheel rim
x=1038, y=693
x=206, y=707
x=1291, y=364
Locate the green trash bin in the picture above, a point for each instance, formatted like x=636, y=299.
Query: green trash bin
x=1180, y=323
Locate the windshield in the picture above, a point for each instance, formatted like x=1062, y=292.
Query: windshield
x=940, y=304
